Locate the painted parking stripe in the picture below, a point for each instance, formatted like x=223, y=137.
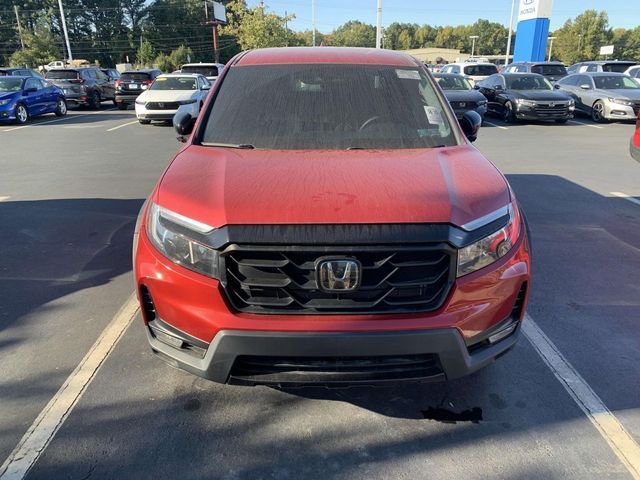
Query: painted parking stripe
x=626, y=197
x=123, y=125
x=51, y=418
x=4, y=198
x=496, y=125
x=607, y=424
x=68, y=117
x=585, y=124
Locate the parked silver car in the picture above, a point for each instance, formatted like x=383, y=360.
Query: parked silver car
x=604, y=96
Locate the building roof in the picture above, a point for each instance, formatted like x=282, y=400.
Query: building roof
x=342, y=55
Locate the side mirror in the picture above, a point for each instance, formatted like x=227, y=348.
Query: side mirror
x=556, y=86
x=476, y=87
x=30, y=90
x=498, y=87
x=183, y=122
x=206, y=87
x=470, y=123
x=585, y=87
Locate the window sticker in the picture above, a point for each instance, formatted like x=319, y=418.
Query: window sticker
x=408, y=74
x=434, y=115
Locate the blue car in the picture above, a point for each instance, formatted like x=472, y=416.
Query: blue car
x=25, y=97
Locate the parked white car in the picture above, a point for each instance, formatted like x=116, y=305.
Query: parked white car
x=634, y=72
x=473, y=70
x=209, y=70
x=171, y=92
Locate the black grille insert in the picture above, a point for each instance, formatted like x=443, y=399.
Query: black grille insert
x=259, y=279
x=162, y=105
x=256, y=369
x=148, y=308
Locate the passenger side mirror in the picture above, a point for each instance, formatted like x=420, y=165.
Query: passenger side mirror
x=556, y=86
x=498, y=87
x=584, y=86
x=206, y=87
x=183, y=122
x=470, y=123
x=30, y=90
x=476, y=87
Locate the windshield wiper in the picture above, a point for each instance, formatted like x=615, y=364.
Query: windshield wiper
x=246, y=146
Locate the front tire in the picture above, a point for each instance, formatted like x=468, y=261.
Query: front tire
x=597, y=112
x=508, y=115
x=61, y=108
x=95, y=101
x=121, y=106
x=22, y=114
x=144, y=122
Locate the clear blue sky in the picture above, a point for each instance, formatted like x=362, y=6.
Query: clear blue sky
x=332, y=13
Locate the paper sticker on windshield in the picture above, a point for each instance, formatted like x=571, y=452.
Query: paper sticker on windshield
x=434, y=115
x=408, y=74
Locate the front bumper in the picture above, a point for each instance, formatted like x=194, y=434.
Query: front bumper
x=142, y=113
x=524, y=112
x=8, y=112
x=196, y=312
x=616, y=111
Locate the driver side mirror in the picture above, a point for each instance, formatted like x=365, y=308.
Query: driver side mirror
x=498, y=87
x=183, y=122
x=30, y=90
x=470, y=123
x=585, y=86
x=556, y=86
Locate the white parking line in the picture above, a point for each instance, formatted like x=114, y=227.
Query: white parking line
x=626, y=197
x=123, y=125
x=609, y=427
x=68, y=117
x=51, y=418
x=495, y=125
x=4, y=198
x=585, y=124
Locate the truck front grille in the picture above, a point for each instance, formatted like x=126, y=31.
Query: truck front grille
x=394, y=279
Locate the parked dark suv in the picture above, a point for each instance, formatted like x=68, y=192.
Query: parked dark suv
x=131, y=84
x=552, y=71
x=86, y=86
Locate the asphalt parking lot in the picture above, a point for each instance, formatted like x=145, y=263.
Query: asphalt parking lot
x=70, y=191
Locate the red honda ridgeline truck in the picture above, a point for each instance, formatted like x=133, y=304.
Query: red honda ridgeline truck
x=329, y=222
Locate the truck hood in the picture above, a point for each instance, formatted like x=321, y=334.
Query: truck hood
x=222, y=186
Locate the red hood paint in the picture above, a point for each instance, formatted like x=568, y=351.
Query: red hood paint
x=221, y=186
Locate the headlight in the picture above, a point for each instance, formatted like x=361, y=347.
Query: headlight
x=140, y=102
x=5, y=101
x=482, y=102
x=177, y=246
x=621, y=101
x=187, y=102
x=490, y=248
x=526, y=103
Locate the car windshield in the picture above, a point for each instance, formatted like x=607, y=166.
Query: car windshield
x=135, y=76
x=527, y=82
x=616, y=67
x=10, y=84
x=62, y=74
x=174, y=83
x=316, y=107
x=480, y=70
x=453, y=83
x=615, y=82
x=549, y=69
x=202, y=70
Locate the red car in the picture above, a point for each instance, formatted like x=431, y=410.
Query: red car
x=328, y=221
x=635, y=141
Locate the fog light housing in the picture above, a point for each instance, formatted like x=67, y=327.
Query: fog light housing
x=503, y=332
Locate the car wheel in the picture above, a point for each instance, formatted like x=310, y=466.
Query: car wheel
x=61, y=108
x=22, y=114
x=121, y=106
x=508, y=116
x=115, y=104
x=144, y=122
x=597, y=112
x=562, y=120
x=95, y=101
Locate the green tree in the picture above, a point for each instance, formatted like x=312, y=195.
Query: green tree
x=354, y=34
x=180, y=56
x=146, y=54
x=41, y=47
x=581, y=38
x=257, y=28
x=163, y=61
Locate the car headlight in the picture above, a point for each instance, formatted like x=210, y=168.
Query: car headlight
x=492, y=247
x=5, y=101
x=526, y=103
x=621, y=101
x=171, y=234
x=140, y=102
x=482, y=102
x=187, y=102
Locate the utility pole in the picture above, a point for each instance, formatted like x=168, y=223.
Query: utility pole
x=313, y=22
x=64, y=28
x=473, y=45
x=550, y=47
x=15, y=8
x=379, y=25
x=286, y=29
x=506, y=57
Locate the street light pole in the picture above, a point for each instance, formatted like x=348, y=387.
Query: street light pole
x=313, y=22
x=379, y=25
x=550, y=47
x=15, y=8
x=64, y=29
x=473, y=45
x=506, y=57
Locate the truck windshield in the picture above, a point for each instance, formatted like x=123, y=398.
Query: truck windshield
x=327, y=106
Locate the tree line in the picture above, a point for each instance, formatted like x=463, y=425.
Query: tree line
x=168, y=33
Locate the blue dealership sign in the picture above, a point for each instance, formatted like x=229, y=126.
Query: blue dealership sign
x=532, y=31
